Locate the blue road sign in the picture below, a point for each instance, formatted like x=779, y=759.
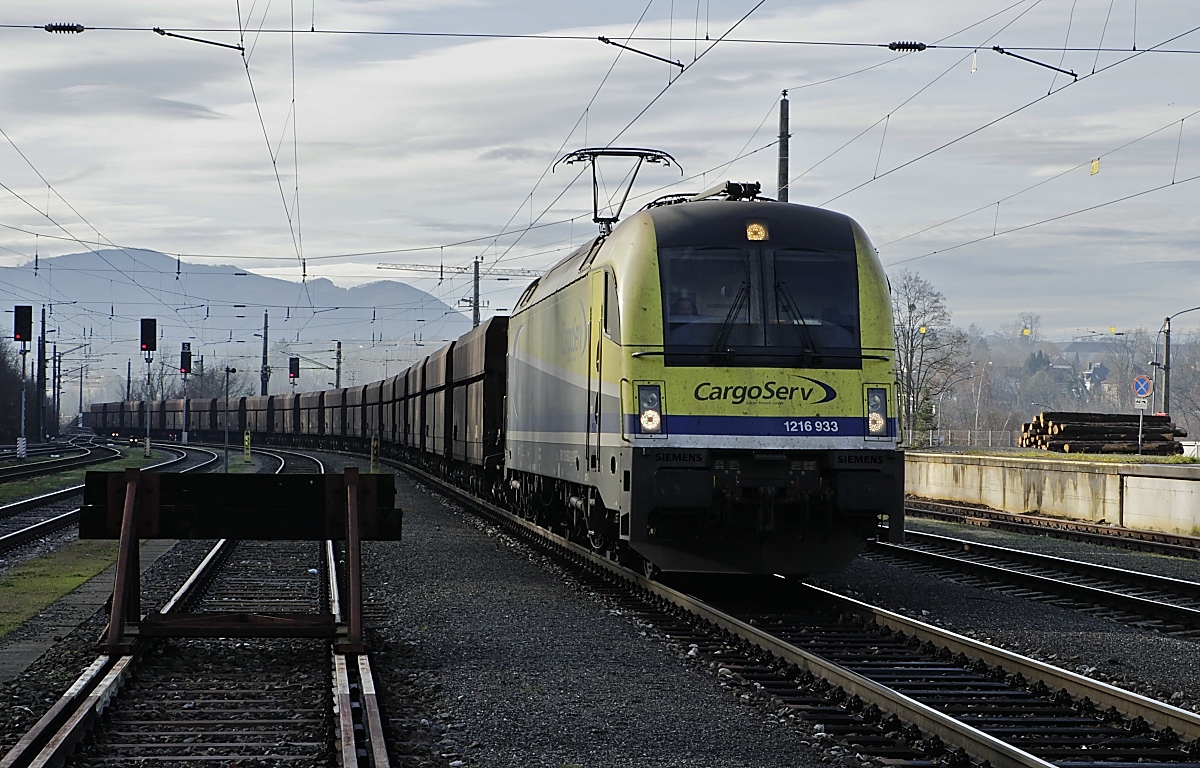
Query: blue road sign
x=1143, y=386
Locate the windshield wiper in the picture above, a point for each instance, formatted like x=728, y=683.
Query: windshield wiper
x=784, y=297
x=727, y=326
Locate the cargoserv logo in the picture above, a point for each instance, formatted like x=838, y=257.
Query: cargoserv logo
x=771, y=391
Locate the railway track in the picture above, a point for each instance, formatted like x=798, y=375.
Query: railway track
x=1146, y=600
x=283, y=701
x=87, y=455
x=880, y=683
x=1075, y=530
x=29, y=520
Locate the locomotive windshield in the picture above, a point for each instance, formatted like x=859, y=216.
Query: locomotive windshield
x=760, y=304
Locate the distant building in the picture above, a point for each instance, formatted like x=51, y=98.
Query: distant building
x=1095, y=376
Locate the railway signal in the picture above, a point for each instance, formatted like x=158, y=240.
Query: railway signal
x=23, y=332
x=293, y=367
x=23, y=325
x=185, y=358
x=149, y=334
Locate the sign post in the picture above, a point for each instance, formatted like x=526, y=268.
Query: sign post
x=1143, y=387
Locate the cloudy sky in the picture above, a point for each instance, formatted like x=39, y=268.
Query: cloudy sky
x=972, y=167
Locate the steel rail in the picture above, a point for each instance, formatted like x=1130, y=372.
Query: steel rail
x=57, y=465
x=1141, y=605
x=37, y=530
x=1179, y=587
x=52, y=738
x=1128, y=703
x=75, y=490
x=1078, y=530
x=949, y=729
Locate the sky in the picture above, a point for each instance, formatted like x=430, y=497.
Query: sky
x=323, y=154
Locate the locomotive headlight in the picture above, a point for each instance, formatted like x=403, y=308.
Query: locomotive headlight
x=877, y=423
x=650, y=408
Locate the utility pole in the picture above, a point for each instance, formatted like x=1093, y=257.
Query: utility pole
x=265, y=371
x=23, y=443
x=55, y=386
x=337, y=379
x=22, y=331
x=128, y=381
x=228, y=371
x=1166, y=367
x=475, y=301
x=41, y=380
x=784, y=135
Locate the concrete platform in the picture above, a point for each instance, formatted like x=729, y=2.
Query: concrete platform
x=62, y=617
x=1153, y=497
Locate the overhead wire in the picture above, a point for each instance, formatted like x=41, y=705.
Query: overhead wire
x=642, y=112
x=1004, y=116
x=1045, y=181
x=263, y=30
x=558, y=153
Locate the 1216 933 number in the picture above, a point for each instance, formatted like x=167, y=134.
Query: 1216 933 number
x=809, y=425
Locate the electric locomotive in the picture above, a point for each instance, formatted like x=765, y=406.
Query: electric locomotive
x=709, y=387
x=712, y=387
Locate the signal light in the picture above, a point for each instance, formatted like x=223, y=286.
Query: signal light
x=23, y=325
x=293, y=367
x=185, y=359
x=149, y=334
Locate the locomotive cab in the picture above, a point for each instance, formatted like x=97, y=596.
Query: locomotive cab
x=721, y=397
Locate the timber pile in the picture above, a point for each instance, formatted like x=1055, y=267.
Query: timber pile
x=1101, y=433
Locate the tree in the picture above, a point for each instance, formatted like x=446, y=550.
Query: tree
x=1037, y=362
x=1027, y=328
x=167, y=384
x=931, y=353
x=10, y=394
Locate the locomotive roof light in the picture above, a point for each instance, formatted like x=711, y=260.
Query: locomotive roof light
x=650, y=409
x=757, y=230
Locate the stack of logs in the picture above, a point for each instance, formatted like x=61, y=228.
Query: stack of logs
x=1101, y=433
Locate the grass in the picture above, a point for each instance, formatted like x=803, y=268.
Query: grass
x=1106, y=458
x=26, y=589
x=23, y=489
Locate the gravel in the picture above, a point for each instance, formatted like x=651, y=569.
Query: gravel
x=1116, y=557
x=490, y=655
x=27, y=697
x=1144, y=661
x=527, y=667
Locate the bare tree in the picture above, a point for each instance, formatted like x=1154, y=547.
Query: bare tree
x=1027, y=327
x=931, y=354
x=167, y=384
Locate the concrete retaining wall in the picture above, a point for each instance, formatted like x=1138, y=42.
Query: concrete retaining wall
x=1156, y=497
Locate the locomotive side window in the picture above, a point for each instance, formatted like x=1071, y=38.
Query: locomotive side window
x=612, y=309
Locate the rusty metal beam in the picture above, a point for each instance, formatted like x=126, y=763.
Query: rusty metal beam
x=126, y=578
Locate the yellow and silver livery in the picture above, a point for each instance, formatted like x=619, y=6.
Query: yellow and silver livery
x=711, y=387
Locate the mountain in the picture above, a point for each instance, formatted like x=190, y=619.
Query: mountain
x=98, y=298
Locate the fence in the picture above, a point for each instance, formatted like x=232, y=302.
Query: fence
x=961, y=438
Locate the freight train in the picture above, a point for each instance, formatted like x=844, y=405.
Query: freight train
x=708, y=388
